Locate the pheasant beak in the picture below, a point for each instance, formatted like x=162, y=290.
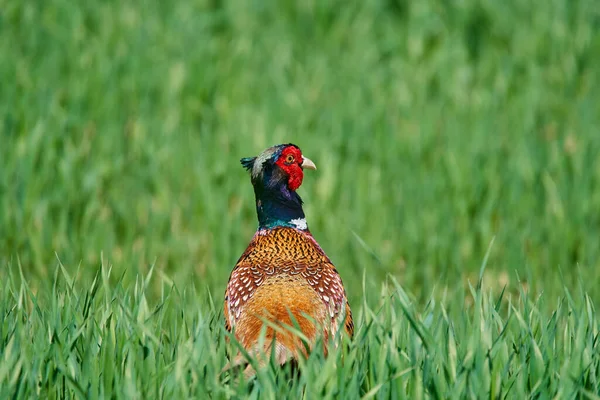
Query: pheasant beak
x=308, y=164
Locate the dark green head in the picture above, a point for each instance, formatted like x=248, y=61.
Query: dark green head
x=276, y=174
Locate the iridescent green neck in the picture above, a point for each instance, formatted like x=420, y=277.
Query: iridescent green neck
x=279, y=207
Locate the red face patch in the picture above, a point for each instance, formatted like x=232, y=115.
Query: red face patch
x=290, y=161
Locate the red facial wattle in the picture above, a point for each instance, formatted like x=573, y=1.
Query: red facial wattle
x=290, y=161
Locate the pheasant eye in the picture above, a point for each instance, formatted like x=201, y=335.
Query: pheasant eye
x=289, y=159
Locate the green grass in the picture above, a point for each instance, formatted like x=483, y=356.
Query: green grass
x=105, y=341
x=437, y=127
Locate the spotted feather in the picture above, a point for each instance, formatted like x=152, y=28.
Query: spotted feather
x=286, y=252
x=283, y=279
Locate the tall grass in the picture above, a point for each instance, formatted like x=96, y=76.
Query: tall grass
x=106, y=341
x=436, y=127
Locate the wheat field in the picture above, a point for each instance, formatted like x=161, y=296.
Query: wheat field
x=457, y=192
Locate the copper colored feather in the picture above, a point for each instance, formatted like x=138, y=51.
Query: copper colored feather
x=283, y=280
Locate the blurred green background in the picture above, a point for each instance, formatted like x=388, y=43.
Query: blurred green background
x=436, y=126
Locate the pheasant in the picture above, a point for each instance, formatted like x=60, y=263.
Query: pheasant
x=284, y=279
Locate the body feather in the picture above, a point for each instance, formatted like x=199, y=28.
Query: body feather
x=283, y=284
x=284, y=271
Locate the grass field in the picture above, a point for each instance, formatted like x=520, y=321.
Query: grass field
x=458, y=192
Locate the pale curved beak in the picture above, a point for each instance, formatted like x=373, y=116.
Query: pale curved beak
x=308, y=164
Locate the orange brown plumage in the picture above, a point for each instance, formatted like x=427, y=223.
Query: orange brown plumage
x=283, y=279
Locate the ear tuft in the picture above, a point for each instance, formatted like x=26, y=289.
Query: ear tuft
x=248, y=162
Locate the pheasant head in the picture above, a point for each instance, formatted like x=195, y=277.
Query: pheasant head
x=276, y=174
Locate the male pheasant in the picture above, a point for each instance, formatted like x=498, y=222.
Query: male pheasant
x=283, y=279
